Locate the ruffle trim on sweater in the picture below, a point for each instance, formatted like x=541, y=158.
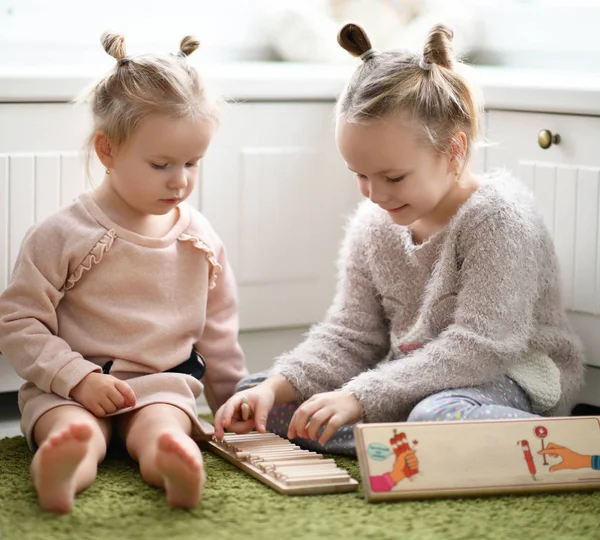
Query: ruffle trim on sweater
x=94, y=256
x=215, y=267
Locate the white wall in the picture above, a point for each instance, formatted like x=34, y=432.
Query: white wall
x=68, y=31
x=543, y=33
x=557, y=34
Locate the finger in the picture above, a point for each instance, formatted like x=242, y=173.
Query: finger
x=126, y=391
x=117, y=398
x=223, y=418
x=97, y=410
x=558, y=467
x=412, y=462
x=316, y=421
x=292, y=433
x=228, y=415
x=261, y=413
x=301, y=417
x=555, y=446
x=108, y=406
x=219, y=431
x=334, y=423
x=552, y=451
x=241, y=427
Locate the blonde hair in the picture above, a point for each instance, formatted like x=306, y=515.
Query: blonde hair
x=146, y=84
x=425, y=87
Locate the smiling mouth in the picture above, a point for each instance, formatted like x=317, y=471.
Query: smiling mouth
x=398, y=209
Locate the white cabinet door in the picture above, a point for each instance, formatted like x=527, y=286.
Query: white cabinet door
x=43, y=127
x=278, y=194
x=565, y=180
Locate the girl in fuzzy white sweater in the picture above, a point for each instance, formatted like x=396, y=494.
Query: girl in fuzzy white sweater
x=448, y=303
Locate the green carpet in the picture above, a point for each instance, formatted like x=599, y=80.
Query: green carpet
x=121, y=506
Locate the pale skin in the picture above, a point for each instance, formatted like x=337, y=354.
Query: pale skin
x=421, y=189
x=150, y=173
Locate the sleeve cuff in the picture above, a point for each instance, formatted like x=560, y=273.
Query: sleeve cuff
x=357, y=390
x=382, y=483
x=70, y=375
x=290, y=375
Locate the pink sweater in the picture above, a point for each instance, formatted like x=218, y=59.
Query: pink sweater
x=85, y=291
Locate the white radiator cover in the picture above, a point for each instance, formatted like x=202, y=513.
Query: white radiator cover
x=32, y=187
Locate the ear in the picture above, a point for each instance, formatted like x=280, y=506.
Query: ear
x=458, y=151
x=104, y=149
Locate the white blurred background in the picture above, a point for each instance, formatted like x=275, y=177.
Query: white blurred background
x=533, y=33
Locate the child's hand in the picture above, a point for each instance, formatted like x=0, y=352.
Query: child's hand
x=103, y=394
x=229, y=416
x=260, y=399
x=330, y=409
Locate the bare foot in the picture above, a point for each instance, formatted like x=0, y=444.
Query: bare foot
x=182, y=470
x=54, y=465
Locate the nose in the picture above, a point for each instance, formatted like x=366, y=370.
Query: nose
x=377, y=192
x=178, y=180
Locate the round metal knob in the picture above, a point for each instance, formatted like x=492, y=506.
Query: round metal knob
x=546, y=138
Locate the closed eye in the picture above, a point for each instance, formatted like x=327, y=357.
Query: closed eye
x=191, y=164
x=158, y=166
x=397, y=179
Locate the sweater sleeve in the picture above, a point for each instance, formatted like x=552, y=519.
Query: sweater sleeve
x=492, y=325
x=355, y=333
x=28, y=321
x=225, y=364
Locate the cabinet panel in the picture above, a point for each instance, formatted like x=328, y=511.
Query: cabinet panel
x=565, y=182
x=513, y=137
x=43, y=127
x=278, y=194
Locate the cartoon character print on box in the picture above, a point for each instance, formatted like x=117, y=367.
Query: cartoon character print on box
x=406, y=462
x=569, y=459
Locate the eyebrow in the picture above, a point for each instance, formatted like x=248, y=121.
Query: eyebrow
x=171, y=158
x=380, y=172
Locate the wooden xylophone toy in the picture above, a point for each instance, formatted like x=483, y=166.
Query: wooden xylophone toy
x=283, y=466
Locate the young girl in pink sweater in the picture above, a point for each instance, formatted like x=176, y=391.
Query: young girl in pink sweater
x=448, y=304
x=121, y=302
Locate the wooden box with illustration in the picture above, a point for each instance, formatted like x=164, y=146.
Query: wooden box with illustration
x=440, y=459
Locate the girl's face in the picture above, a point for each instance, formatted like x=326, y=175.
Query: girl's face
x=395, y=169
x=157, y=167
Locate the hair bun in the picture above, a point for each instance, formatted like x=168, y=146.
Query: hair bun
x=114, y=44
x=354, y=39
x=438, y=47
x=188, y=45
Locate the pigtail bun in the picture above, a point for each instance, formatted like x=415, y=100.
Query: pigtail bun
x=114, y=45
x=188, y=45
x=354, y=39
x=438, y=47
